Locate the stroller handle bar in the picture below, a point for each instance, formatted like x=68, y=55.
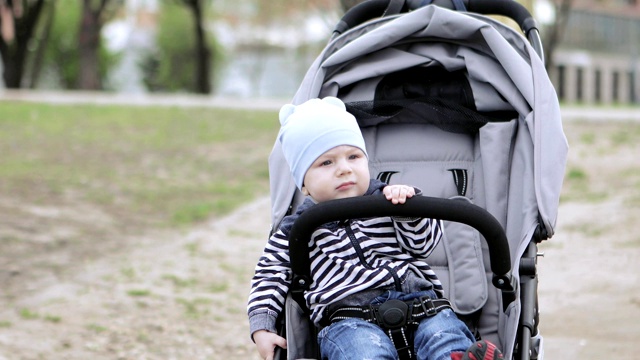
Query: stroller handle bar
x=420, y=206
x=372, y=9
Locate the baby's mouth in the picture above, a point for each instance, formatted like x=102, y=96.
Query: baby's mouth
x=345, y=185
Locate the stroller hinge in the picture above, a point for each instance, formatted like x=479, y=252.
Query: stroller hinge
x=508, y=285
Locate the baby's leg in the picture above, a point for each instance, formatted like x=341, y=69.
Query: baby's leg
x=355, y=339
x=440, y=335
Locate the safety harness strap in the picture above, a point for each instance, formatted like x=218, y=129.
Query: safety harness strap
x=397, y=318
x=402, y=341
x=420, y=308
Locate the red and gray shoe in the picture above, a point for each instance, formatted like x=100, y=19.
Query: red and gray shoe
x=482, y=350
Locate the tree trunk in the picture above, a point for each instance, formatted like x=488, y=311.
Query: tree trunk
x=203, y=53
x=14, y=49
x=36, y=66
x=556, y=31
x=89, y=45
x=13, y=68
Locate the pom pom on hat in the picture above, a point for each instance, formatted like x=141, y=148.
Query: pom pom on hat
x=312, y=128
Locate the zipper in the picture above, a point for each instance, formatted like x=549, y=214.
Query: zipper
x=358, y=249
x=356, y=244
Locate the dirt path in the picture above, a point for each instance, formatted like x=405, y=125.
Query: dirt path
x=589, y=283
x=161, y=296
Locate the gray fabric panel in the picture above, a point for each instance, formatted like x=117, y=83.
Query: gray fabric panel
x=298, y=347
x=402, y=142
x=423, y=156
x=468, y=285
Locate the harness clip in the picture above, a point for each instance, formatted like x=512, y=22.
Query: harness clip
x=428, y=307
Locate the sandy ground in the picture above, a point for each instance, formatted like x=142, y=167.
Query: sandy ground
x=181, y=295
x=158, y=296
x=589, y=289
x=589, y=275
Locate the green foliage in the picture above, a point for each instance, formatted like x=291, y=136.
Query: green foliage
x=62, y=51
x=172, y=66
x=62, y=55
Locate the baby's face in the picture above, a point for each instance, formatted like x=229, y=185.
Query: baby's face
x=339, y=173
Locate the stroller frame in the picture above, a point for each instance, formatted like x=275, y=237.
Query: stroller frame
x=512, y=252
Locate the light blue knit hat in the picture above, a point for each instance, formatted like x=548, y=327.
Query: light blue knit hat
x=312, y=128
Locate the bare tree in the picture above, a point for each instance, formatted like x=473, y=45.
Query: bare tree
x=556, y=30
x=18, y=20
x=203, y=53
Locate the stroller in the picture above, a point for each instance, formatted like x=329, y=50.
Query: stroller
x=458, y=104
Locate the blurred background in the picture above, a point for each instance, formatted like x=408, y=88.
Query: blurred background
x=253, y=48
x=132, y=232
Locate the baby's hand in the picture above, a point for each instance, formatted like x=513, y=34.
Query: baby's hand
x=398, y=194
x=267, y=342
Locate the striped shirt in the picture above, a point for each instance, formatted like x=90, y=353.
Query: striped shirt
x=346, y=258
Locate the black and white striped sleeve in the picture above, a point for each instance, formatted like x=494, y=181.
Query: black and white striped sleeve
x=270, y=284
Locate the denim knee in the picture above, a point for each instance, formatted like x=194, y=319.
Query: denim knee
x=355, y=339
x=438, y=336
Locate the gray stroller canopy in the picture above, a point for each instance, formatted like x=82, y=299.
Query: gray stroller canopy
x=503, y=70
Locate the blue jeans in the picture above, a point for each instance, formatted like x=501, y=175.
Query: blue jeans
x=435, y=338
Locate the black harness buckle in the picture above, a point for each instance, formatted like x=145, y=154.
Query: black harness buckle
x=392, y=314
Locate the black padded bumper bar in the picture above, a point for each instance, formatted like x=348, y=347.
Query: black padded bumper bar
x=420, y=206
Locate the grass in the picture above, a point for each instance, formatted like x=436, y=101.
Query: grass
x=195, y=308
x=164, y=166
x=96, y=328
x=599, y=165
x=139, y=292
x=180, y=282
x=172, y=166
x=28, y=314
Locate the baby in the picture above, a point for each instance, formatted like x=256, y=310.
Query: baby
x=357, y=264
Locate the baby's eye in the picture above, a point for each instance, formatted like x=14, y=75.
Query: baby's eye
x=354, y=156
x=325, y=163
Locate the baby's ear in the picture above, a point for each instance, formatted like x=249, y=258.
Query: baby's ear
x=285, y=112
x=335, y=102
